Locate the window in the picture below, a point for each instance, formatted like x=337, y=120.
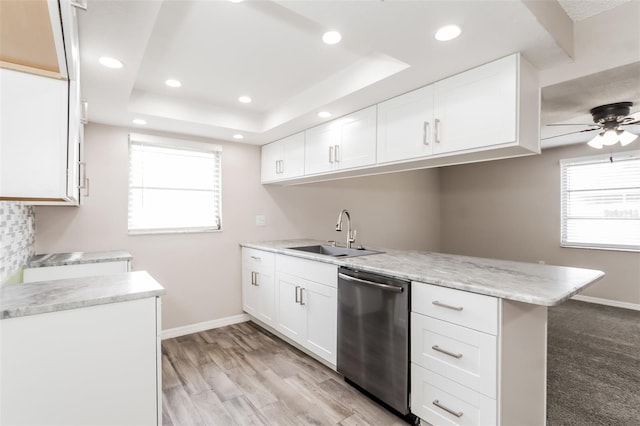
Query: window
x=601, y=202
x=174, y=186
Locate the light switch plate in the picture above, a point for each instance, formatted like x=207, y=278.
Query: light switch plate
x=261, y=220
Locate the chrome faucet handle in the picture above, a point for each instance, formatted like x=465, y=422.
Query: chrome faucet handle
x=351, y=238
x=332, y=242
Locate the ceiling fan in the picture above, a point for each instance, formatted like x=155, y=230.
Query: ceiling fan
x=609, y=122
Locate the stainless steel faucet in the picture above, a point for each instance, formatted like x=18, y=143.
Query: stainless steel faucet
x=351, y=234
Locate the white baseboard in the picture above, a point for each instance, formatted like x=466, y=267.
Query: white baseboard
x=202, y=326
x=608, y=302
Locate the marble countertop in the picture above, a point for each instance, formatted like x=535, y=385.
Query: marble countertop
x=533, y=283
x=17, y=300
x=76, y=258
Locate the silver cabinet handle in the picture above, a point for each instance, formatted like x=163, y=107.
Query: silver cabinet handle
x=331, y=155
x=86, y=187
x=84, y=111
x=444, y=305
x=297, y=297
x=281, y=166
x=447, y=409
x=337, y=154
x=301, y=301
x=387, y=287
x=277, y=167
x=446, y=352
x=253, y=278
x=425, y=133
x=256, y=258
x=437, y=130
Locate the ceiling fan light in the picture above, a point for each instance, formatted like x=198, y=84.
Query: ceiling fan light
x=610, y=137
x=596, y=142
x=626, y=137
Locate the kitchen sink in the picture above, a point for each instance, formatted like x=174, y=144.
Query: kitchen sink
x=335, y=251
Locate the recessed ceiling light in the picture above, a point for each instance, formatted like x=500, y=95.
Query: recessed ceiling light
x=448, y=32
x=244, y=99
x=238, y=136
x=324, y=114
x=110, y=62
x=331, y=37
x=173, y=83
x=139, y=121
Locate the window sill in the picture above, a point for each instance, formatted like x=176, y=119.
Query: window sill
x=595, y=247
x=173, y=231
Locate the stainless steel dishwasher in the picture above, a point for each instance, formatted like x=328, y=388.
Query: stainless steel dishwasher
x=373, y=335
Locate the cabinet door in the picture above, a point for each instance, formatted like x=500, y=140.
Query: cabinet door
x=250, y=293
x=321, y=303
x=319, y=148
x=477, y=108
x=405, y=126
x=358, y=139
x=271, y=155
x=264, y=283
x=291, y=316
x=292, y=156
x=33, y=139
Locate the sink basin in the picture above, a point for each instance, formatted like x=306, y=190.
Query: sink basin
x=335, y=251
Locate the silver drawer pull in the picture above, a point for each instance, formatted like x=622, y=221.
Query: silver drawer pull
x=444, y=305
x=447, y=409
x=256, y=258
x=446, y=352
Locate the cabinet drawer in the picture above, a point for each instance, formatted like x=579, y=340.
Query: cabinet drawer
x=433, y=395
x=258, y=260
x=323, y=273
x=466, y=356
x=467, y=309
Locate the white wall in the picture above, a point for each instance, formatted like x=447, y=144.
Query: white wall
x=510, y=209
x=201, y=272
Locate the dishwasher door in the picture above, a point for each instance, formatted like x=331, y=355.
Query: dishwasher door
x=373, y=335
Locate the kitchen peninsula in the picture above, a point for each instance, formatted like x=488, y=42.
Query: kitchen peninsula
x=490, y=316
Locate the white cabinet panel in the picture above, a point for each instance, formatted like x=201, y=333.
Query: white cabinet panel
x=94, y=366
x=258, y=285
x=33, y=139
x=291, y=314
x=283, y=159
x=477, y=108
x=322, y=313
x=464, y=308
x=440, y=401
x=344, y=143
x=463, y=355
x=405, y=126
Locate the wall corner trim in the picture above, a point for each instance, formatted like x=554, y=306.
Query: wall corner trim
x=202, y=326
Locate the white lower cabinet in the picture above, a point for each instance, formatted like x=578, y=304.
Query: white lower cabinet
x=307, y=304
x=97, y=365
x=476, y=359
x=258, y=291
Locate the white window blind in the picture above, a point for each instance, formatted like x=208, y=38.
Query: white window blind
x=601, y=202
x=173, y=188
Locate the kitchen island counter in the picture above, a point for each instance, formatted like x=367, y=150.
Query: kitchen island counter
x=544, y=285
x=19, y=300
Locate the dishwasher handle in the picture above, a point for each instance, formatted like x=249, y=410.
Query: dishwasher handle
x=385, y=287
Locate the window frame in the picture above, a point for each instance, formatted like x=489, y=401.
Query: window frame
x=186, y=145
x=593, y=159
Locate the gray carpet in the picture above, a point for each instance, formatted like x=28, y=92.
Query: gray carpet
x=593, y=365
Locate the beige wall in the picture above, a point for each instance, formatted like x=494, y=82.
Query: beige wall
x=201, y=272
x=510, y=209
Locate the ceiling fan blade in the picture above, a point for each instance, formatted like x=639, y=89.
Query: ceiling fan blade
x=629, y=123
x=571, y=133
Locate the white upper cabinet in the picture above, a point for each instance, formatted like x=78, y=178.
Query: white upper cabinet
x=283, y=159
x=405, y=126
x=344, y=143
x=40, y=163
x=477, y=108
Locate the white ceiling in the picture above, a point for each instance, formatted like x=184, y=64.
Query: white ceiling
x=272, y=51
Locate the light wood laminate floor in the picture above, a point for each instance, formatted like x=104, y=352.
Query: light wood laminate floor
x=243, y=375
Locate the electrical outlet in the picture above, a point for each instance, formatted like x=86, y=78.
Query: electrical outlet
x=261, y=220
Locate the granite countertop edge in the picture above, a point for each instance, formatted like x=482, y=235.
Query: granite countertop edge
x=19, y=300
x=582, y=279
